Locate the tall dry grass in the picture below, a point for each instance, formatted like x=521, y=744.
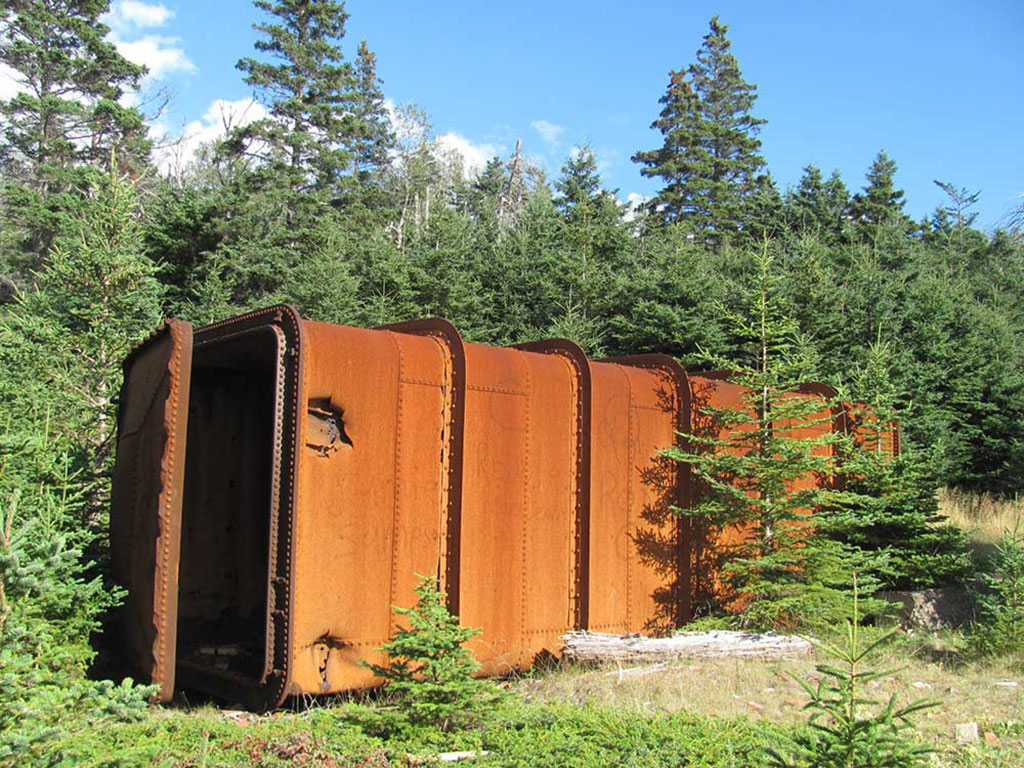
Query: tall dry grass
x=984, y=516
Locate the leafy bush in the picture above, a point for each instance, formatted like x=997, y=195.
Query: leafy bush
x=49, y=607
x=759, y=474
x=429, y=671
x=848, y=729
x=1001, y=604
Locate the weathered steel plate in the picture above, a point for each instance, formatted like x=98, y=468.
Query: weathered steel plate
x=145, y=515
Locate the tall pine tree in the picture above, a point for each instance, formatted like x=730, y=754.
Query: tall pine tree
x=881, y=203
x=66, y=116
x=307, y=88
x=710, y=160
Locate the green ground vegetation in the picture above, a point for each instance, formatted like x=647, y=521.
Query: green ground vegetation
x=922, y=318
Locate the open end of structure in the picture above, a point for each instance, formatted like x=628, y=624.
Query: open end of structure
x=228, y=506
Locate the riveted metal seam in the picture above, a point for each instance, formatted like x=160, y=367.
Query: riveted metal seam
x=447, y=333
x=525, y=518
x=680, y=383
x=396, y=502
x=272, y=692
x=168, y=470
x=580, y=365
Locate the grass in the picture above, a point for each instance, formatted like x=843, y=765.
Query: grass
x=765, y=691
x=517, y=735
x=717, y=712
x=707, y=713
x=984, y=516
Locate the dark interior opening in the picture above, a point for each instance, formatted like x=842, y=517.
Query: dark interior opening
x=227, y=507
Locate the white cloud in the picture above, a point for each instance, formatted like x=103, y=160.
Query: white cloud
x=474, y=156
x=549, y=132
x=633, y=205
x=162, y=55
x=130, y=15
x=220, y=118
x=10, y=83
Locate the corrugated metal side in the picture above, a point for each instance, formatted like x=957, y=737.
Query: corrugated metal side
x=374, y=505
x=518, y=504
x=637, y=542
x=145, y=515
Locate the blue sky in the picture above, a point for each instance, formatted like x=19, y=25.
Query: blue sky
x=937, y=84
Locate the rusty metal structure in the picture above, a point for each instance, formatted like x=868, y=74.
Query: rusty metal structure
x=281, y=484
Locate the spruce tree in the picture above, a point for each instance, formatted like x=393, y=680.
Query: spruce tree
x=370, y=137
x=888, y=505
x=299, y=173
x=429, y=669
x=778, y=567
x=66, y=116
x=818, y=206
x=307, y=87
x=596, y=245
x=881, y=202
x=710, y=160
x=62, y=343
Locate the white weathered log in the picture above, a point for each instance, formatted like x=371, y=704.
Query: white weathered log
x=600, y=647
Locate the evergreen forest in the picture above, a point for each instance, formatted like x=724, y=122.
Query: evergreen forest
x=355, y=213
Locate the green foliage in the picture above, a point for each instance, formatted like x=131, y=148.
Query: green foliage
x=51, y=604
x=849, y=728
x=66, y=116
x=322, y=206
x=62, y=343
x=710, y=158
x=307, y=87
x=880, y=202
x=761, y=470
x=889, y=504
x=1000, y=628
x=429, y=671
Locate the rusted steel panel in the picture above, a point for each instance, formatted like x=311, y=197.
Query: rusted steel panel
x=577, y=359
x=860, y=421
x=236, y=586
x=611, y=515
x=328, y=467
x=518, y=504
x=374, y=502
x=145, y=514
x=638, y=545
x=446, y=334
x=827, y=420
x=711, y=391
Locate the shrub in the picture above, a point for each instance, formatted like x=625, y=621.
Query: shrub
x=431, y=673
x=49, y=607
x=848, y=729
x=1001, y=604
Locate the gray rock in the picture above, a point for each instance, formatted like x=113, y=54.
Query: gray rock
x=933, y=608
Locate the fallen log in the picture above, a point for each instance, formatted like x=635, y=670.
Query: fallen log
x=596, y=647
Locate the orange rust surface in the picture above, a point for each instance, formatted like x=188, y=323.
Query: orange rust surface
x=528, y=481
x=373, y=509
x=634, y=537
x=860, y=420
x=518, y=504
x=145, y=515
x=713, y=391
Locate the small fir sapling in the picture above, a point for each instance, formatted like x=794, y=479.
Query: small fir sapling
x=430, y=672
